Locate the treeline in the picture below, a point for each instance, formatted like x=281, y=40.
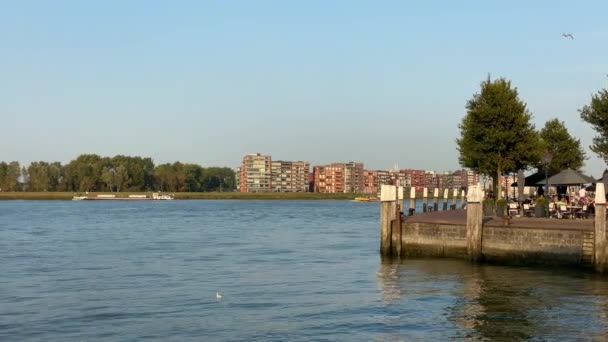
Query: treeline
x=91, y=172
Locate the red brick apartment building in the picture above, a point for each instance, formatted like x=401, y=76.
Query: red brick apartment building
x=339, y=177
x=329, y=178
x=370, y=182
x=417, y=178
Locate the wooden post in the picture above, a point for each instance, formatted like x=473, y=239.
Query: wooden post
x=474, y=223
x=445, y=199
x=599, y=246
x=396, y=224
x=424, y=199
x=387, y=214
x=463, y=200
x=412, y=200
x=436, y=199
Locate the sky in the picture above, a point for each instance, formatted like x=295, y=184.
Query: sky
x=380, y=82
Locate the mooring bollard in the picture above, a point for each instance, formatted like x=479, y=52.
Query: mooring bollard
x=388, y=210
x=474, y=222
x=599, y=248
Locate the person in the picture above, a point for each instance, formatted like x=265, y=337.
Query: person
x=582, y=194
x=591, y=207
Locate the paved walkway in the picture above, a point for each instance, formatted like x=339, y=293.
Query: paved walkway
x=458, y=217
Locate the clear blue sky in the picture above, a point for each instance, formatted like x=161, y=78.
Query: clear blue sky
x=381, y=82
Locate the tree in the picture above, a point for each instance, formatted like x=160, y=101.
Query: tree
x=85, y=172
x=567, y=151
x=596, y=114
x=496, y=135
x=9, y=176
x=108, y=176
x=163, y=174
x=38, y=176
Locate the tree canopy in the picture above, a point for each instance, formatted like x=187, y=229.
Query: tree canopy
x=596, y=114
x=566, y=150
x=496, y=135
x=91, y=172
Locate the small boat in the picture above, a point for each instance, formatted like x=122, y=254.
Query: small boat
x=365, y=199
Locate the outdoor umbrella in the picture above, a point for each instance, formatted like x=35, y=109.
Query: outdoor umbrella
x=531, y=179
x=604, y=180
x=568, y=177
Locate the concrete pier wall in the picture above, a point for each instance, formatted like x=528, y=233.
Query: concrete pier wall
x=469, y=235
x=505, y=245
x=532, y=246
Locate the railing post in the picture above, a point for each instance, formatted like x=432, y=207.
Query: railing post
x=424, y=199
x=412, y=200
x=463, y=199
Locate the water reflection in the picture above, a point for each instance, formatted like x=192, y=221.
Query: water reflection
x=496, y=302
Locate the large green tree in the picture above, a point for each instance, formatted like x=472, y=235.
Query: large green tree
x=566, y=150
x=496, y=135
x=9, y=176
x=596, y=114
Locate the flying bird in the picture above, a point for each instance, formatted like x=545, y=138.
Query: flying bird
x=568, y=35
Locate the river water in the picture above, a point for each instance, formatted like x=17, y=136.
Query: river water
x=289, y=271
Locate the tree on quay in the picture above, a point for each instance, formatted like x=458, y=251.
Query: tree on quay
x=567, y=151
x=496, y=135
x=596, y=114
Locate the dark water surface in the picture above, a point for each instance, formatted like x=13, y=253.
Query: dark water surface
x=289, y=270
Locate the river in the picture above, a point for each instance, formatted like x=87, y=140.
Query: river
x=288, y=271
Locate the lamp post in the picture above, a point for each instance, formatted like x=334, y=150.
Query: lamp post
x=547, y=157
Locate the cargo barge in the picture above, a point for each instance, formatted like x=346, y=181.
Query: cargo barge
x=155, y=196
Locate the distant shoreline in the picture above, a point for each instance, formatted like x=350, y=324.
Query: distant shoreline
x=186, y=195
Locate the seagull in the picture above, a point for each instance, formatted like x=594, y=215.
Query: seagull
x=219, y=295
x=568, y=35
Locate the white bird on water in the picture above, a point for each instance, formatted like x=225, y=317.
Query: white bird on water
x=219, y=295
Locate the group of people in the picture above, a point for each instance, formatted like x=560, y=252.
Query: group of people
x=576, y=199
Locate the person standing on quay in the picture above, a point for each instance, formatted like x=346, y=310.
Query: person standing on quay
x=582, y=195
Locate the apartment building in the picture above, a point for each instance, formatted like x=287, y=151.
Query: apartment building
x=329, y=178
x=353, y=177
x=467, y=177
x=237, y=178
x=256, y=173
x=417, y=178
x=384, y=178
x=289, y=176
x=370, y=182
